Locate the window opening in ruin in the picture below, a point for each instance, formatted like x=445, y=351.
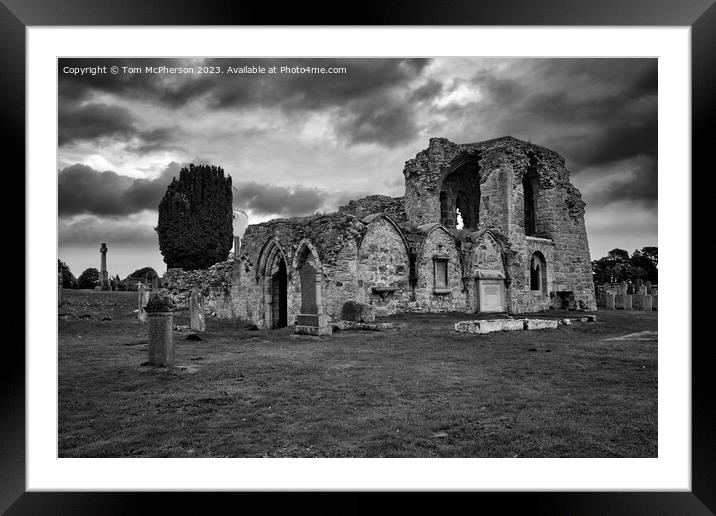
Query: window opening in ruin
x=538, y=274
x=441, y=273
x=460, y=222
x=529, y=188
x=460, y=197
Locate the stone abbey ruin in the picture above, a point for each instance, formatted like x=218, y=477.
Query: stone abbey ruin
x=521, y=246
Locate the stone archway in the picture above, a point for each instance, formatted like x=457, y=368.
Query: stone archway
x=273, y=278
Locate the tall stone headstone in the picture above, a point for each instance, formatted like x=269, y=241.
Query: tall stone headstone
x=643, y=302
x=623, y=287
x=160, y=329
x=647, y=284
x=609, y=302
x=630, y=289
x=143, y=299
x=196, y=311
x=638, y=284
x=103, y=275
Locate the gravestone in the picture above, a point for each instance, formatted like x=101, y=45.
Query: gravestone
x=648, y=287
x=624, y=286
x=142, y=300
x=609, y=301
x=160, y=329
x=643, y=302
x=628, y=302
x=630, y=289
x=638, y=284
x=358, y=312
x=642, y=291
x=655, y=302
x=196, y=311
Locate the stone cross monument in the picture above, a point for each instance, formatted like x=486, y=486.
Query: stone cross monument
x=103, y=276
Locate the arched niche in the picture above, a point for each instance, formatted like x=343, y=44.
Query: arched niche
x=308, y=265
x=538, y=273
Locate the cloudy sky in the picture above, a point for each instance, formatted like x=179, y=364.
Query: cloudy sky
x=299, y=143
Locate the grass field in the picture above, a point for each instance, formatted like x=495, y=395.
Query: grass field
x=420, y=391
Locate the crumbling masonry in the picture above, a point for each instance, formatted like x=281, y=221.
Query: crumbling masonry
x=493, y=226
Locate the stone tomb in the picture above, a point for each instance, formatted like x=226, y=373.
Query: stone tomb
x=541, y=324
x=489, y=325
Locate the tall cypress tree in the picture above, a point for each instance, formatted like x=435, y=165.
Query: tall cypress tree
x=196, y=218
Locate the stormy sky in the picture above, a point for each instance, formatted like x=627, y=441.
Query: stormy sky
x=299, y=143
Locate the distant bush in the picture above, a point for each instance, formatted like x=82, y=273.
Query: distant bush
x=68, y=279
x=89, y=278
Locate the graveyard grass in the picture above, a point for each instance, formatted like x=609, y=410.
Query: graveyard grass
x=420, y=391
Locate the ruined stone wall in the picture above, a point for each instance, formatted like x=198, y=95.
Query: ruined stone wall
x=213, y=283
x=502, y=163
x=521, y=298
x=439, y=243
x=334, y=237
x=560, y=219
x=392, y=206
x=384, y=268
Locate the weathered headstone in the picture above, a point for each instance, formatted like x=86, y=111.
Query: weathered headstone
x=155, y=283
x=638, y=284
x=643, y=302
x=655, y=302
x=642, y=291
x=624, y=286
x=196, y=311
x=609, y=302
x=628, y=298
x=630, y=289
x=358, y=312
x=160, y=328
x=143, y=299
x=648, y=287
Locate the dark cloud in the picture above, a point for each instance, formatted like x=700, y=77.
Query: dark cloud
x=94, y=121
x=283, y=201
x=83, y=190
x=363, y=79
x=388, y=122
x=356, y=94
x=93, y=230
x=639, y=184
x=593, y=111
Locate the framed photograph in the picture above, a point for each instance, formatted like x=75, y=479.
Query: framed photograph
x=414, y=256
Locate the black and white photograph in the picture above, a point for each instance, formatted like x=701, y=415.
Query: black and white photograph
x=357, y=257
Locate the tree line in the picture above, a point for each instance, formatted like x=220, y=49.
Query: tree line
x=89, y=278
x=618, y=266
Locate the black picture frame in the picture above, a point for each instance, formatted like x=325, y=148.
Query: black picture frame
x=700, y=15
